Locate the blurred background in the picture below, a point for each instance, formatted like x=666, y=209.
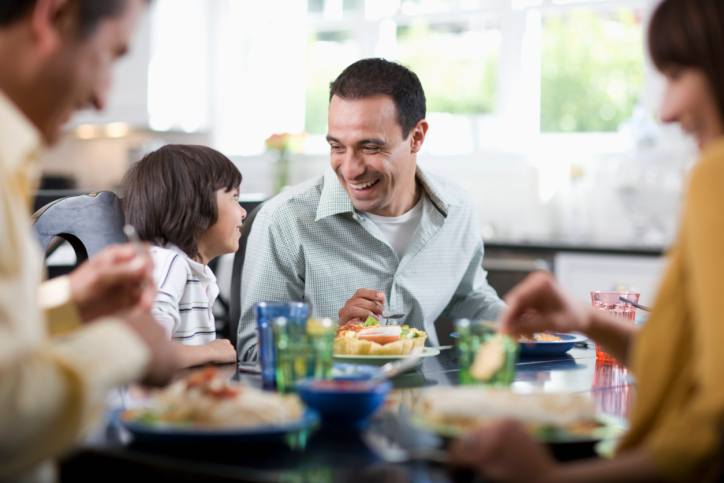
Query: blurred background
x=544, y=110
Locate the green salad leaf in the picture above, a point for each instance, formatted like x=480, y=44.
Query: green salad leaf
x=370, y=322
x=408, y=333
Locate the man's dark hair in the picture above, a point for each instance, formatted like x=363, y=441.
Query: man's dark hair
x=380, y=77
x=170, y=195
x=90, y=12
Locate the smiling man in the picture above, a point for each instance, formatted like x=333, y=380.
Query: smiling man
x=374, y=229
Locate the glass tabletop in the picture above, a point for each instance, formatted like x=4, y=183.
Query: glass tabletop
x=328, y=455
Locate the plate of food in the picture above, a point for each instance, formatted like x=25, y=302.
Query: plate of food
x=545, y=343
x=204, y=408
x=372, y=343
x=548, y=343
x=549, y=417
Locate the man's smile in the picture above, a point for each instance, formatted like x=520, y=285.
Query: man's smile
x=363, y=186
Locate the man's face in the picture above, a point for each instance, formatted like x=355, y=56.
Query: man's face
x=78, y=73
x=375, y=165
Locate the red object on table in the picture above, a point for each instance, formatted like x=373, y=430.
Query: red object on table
x=610, y=302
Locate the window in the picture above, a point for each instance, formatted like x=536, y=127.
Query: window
x=592, y=66
x=501, y=75
x=328, y=53
x=457, y=64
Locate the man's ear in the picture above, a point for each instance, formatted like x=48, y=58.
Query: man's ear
x=49, y=20
x=417, y=136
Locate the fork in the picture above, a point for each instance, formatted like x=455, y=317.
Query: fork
x=386, y=314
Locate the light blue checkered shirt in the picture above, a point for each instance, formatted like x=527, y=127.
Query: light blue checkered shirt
x=310, y=244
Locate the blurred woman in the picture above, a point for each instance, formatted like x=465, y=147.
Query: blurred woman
x=677, y=422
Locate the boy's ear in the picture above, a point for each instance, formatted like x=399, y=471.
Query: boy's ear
x=50, y=21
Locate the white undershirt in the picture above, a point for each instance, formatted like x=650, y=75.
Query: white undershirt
x=398, y=230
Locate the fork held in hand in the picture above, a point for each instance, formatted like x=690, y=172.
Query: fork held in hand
x=386, y=314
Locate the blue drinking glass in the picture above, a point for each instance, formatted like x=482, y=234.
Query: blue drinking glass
x=265, y=313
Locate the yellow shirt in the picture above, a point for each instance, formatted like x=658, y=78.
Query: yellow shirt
x=678, y=358
x=49, y=388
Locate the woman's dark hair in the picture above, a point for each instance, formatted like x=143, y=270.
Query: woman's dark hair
x=375, y=77
x=90, y=12
x=169, y=196
x=690, y=33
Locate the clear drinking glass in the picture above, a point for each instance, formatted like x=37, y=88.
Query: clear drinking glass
x=611, y=303
x=471, y=335
x=265, y=313
x=304, y=350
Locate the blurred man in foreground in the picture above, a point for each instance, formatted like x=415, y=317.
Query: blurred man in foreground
x=56, y=57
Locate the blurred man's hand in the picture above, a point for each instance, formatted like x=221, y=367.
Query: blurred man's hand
x=165, y=355
x=115, y=279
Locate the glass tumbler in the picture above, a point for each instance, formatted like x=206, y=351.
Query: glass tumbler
x=611, y=303
x=265, y=313
x=471, y=335
x=304, y=350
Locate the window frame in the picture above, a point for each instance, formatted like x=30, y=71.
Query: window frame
x=520, y=119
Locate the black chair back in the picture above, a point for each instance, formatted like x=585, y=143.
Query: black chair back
x=88, y=222
x=235, y=296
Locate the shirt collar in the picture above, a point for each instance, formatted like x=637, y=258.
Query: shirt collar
x=199, y=269
x=334, y=200
x=20, y=140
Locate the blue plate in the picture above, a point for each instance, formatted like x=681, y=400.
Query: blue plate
x=547, y=348
x=184, y=434
x=354, y=372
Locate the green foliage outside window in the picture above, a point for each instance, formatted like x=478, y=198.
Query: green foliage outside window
x=458, y=68
x=328, y=54
x=591, y=70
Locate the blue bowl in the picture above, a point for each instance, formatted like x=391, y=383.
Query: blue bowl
x=343, y=403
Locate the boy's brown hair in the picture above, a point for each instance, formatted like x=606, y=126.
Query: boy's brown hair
x=170, y=195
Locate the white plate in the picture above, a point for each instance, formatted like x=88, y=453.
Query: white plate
x=381, y=360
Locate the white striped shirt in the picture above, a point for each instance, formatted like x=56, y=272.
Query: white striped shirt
x=186, y=294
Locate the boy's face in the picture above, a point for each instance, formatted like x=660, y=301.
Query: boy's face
x=223, y=236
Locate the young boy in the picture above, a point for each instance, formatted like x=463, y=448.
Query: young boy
x=184, y=200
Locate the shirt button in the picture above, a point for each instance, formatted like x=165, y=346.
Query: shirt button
x=355, y=216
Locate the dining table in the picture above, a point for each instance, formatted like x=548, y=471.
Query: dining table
x=331, y=454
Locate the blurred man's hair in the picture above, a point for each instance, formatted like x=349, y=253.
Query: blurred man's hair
x=379, y=77
x=91, y=12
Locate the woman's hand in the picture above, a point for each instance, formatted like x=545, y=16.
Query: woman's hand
x=504, y=452
x=538, y=303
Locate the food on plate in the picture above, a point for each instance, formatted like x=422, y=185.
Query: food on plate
x=540, y=337
x=205, y=399
x=458, y=410
x=373, y=339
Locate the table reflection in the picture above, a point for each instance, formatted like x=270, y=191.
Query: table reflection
x=611, y=389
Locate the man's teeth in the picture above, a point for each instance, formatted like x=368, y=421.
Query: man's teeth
x=363, y=185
